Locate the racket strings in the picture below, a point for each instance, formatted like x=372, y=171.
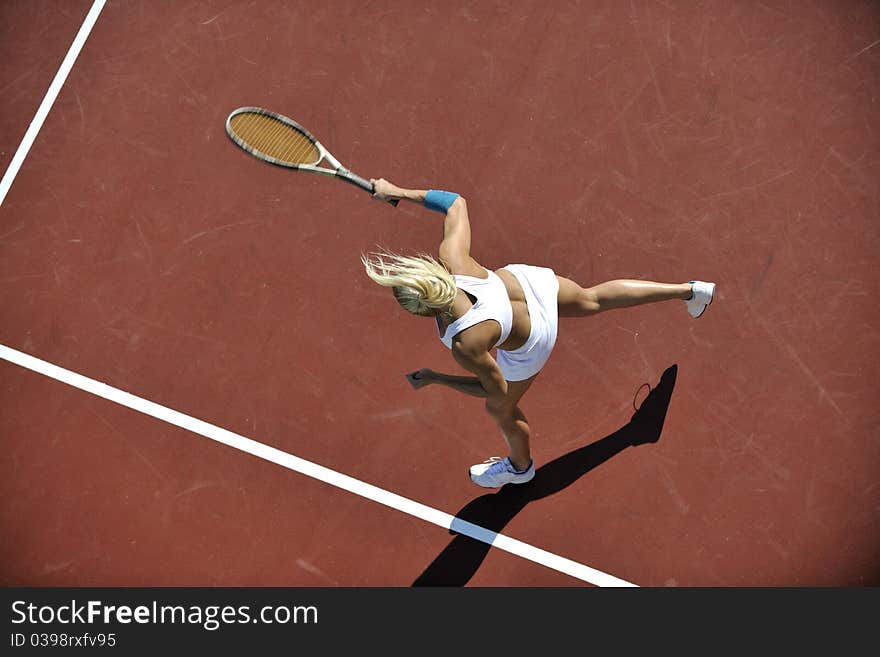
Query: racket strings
x=263, y=132
x=266, y=132
x=274, y=138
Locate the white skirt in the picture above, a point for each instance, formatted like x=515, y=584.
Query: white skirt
x=541, y=288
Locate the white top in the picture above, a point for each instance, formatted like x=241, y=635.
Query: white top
x=492, y=303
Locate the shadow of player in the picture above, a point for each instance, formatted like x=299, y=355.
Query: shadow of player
x=462, y=557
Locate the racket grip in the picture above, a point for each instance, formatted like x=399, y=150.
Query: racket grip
x=364, y=184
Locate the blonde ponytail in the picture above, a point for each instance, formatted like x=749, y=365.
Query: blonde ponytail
x=420, y=284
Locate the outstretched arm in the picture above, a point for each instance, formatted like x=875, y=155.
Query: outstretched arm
x=469, y=385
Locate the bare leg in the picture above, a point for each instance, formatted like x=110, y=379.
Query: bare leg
x=576, y=301
x=511, y=421
x=513, y=424
x=515, y=429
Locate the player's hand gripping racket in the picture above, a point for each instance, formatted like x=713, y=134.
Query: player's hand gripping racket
x=279, y=140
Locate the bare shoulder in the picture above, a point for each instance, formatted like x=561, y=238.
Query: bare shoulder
x=463, y=265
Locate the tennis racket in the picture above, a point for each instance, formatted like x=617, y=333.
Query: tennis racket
x=276, y=139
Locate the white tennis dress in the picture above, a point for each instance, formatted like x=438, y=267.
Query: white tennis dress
x=541, y=289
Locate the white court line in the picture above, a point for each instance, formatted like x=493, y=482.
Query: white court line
x=319, y=472
x=328, y=476
x=49, y=99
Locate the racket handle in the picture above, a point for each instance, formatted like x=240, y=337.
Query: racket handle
x=363, y=183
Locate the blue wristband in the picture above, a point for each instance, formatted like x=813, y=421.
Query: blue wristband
x=439, y=200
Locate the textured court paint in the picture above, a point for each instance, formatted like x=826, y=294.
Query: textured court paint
x=310, y=469
x=180, y=251
x=54, y=88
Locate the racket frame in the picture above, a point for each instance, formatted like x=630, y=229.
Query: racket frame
x=338, y=170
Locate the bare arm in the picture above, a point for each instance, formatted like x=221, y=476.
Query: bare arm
x=504, y=410
x=469, y=385
x=455, y=247
x=481, y=363
x=385, y=191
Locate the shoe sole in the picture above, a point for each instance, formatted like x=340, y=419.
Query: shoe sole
x=470, y=476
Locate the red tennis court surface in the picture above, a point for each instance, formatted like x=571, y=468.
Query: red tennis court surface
x=733, y=142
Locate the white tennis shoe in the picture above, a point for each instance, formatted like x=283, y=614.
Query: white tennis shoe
x=701, y=297
x=498, y=471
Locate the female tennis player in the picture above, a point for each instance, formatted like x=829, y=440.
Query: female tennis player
x=513, y=310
